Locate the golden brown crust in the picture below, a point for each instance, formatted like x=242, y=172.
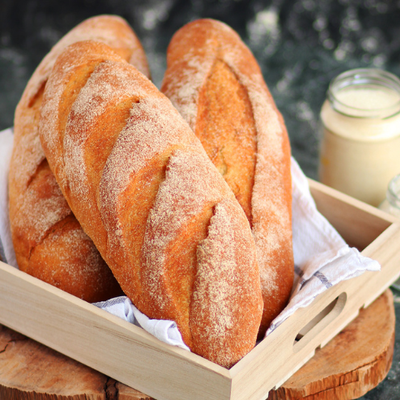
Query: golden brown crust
x=226, y=129
x=216, y=84
x=42, y=223
x=154, y=204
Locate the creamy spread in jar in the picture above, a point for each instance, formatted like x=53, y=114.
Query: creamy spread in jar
x=360, y=146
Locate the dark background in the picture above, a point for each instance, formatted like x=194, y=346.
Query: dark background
x=300, y=44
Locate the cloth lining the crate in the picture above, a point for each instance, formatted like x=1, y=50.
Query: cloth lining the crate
x=322, y=257
x=7, y=253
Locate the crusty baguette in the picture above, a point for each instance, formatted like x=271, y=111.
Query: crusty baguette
x=216, y=84
x=144, y=190
x=48, y=241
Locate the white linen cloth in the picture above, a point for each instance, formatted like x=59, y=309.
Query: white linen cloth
x=6, y=247
x=322, y=258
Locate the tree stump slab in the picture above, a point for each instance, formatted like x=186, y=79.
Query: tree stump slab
x=350, y=365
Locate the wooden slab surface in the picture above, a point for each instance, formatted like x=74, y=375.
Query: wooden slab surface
x=353, y=363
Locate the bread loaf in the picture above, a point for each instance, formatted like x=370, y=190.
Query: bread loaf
x=49, y=242
x=142, y=187
x=216, y=84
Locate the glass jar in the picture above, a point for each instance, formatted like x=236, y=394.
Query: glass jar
x=391, y=204
x=360, y=144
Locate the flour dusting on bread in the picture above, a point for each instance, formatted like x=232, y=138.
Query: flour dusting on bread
x=39, y=214
x=221, y=281
x=143, y=188
x=221, y=58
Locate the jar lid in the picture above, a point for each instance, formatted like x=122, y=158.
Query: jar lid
x=365, y=93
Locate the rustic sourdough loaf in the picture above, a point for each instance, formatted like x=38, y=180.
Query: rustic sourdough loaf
x=214, y=81
x=48, y=240
x=141, y=185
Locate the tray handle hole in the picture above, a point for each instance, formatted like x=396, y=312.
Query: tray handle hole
x=320, y=321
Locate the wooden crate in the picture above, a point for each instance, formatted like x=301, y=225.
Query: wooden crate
x=135, y=358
